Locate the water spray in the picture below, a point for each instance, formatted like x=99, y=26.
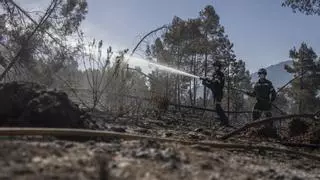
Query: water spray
x=172, y=70
x=153, y=65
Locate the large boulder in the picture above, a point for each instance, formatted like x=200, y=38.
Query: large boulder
x=14, y=97
x=32, y=105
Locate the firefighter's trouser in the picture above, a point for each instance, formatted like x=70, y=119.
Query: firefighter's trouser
x=262, y=107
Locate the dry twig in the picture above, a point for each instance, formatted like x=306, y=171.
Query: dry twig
x=263, y=121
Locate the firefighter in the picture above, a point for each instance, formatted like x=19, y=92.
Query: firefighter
x=216, y=85
x=265, y=94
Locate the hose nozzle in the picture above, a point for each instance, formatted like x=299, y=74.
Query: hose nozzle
x=203, y=78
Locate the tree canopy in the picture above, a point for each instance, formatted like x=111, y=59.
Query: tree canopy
x=308, y=7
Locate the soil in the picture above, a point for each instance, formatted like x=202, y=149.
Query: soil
x=33, y=158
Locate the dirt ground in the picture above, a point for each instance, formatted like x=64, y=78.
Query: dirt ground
x=33, y=158
x=39, y=158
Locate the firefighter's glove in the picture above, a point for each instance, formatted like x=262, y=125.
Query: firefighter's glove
x=203, y=78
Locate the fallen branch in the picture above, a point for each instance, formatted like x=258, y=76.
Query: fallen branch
x=125, y=136
x=206, y=109
x=263, y=121
x=289, y=82
x=301, y=145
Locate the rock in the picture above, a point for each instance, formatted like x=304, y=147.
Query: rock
x=15, y=97
x=52, y=109
x=30, y=104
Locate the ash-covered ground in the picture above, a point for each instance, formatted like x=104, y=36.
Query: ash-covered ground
x=36, y=158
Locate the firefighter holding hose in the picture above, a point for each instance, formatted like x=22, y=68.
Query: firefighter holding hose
x=216, y=85
x=265, y=94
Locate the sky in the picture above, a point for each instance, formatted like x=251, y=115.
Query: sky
x=262, y=31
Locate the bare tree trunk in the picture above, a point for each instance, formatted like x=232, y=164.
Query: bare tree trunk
x=176, y=91
x=205, y=74
x=237, y=107
x=167, y=85
x=194, y=81
x=190, y=83
x=179, y=83
x=190, y=93
x=301, y=88
x=179, y=89
x=228, y=76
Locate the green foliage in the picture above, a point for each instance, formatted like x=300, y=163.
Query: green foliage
x=304, y=89
x=308, y=7
x=48, y=51
x=193, y=45
x=240, y=79
x=73, y=13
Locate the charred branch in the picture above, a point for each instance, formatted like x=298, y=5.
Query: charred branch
x=263, y=121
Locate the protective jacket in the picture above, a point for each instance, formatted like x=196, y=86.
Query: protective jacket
x=216, y=85
x=264, y=93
